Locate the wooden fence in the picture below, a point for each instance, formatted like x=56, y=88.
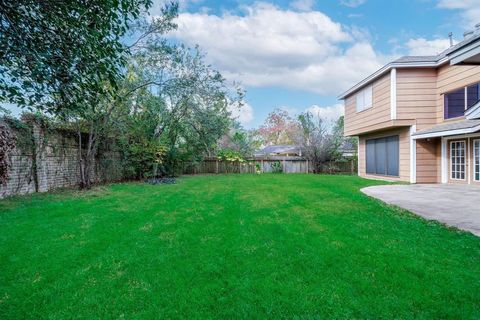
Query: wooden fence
x=268, y=165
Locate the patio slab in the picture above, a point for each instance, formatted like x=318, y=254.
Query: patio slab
x=453, y=205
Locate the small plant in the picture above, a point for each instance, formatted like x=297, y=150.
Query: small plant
x=276, y=167
x=258, y=168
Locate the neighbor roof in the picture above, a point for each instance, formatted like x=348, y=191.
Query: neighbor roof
x=275, y=149
x=449, y=129
x=412, y=62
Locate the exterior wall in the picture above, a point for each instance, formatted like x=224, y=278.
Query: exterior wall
x=416, y=96
x=428, y=161
x=54, y=164
x=379, y=112
x=404, y=144
x=450, y=78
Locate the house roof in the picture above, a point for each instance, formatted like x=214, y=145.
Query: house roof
x=276, y=149
x=449, y=129
x=414, y=62
x=474, y=112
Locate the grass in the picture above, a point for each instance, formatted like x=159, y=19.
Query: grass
x=237, y=246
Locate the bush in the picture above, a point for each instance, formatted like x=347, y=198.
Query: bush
x=276, y=167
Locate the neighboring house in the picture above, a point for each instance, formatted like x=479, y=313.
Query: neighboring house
x=348, y=149
x=418, y=118
x=279, y=151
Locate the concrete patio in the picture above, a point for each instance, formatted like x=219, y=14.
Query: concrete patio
x=453, y=205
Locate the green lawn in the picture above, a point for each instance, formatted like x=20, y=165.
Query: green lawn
x=238, y=246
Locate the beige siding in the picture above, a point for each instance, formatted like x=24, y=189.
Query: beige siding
x=404, y=135
x=416, y=96
x=453, y=77
x=379, y=112
x=428, y=161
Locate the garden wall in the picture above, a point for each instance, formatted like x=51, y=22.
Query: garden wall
x=48, y=159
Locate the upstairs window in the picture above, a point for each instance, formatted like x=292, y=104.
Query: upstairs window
x=364, y=99
x=458, y=101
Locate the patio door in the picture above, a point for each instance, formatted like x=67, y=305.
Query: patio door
x=457, y=160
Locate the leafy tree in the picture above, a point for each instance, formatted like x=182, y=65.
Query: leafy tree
x=278, y=128
x=240, y=140
x=54, y=55
x=179, y=102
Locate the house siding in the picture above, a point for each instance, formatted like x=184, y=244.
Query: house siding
x=450, y=78
x=416, y=96
x=428, y=155
x=379, y=112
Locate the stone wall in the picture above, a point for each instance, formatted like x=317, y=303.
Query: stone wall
x=51, y=161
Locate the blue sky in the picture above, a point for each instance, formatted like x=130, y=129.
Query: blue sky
x=301, y=54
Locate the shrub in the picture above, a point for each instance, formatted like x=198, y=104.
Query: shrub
x=276, y=167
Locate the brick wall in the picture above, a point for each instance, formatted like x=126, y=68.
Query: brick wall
x=52, y=162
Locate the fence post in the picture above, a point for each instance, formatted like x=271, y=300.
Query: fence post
x=284, y=166
x=307, y=165
x=262, y=165
x=216, y=166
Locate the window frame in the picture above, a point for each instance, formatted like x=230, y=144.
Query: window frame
x=452, y=163
x=465, y=99
x=476, y=157
x=361, y=96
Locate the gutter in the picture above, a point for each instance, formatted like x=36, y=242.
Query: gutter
x=446, y=133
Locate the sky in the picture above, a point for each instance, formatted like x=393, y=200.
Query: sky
x=299, y=55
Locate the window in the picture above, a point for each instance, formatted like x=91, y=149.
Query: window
x=476, y=159
x=364, y=99
x=455, y=104
x=473, y=95
x=458, y=101
x=457, y=159
x=382, y=156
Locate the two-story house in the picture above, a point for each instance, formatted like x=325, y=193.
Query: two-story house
x=418, y=118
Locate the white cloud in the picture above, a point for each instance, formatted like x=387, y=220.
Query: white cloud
x=352, y=3
x=302, y=5
x=424, y=47
x=269, y=46
x=243, y=113
x=469, y=10
x=328, y=114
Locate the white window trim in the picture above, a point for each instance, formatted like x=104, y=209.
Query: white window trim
x=362, y=93
x=475, y=156
x=464, y=164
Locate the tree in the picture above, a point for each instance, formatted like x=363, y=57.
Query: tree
x=186, y=99
x=278, y=128
x=97, y=117
x=54, y=55
x=239, y=140
x=338, y=133
x=318, y=145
